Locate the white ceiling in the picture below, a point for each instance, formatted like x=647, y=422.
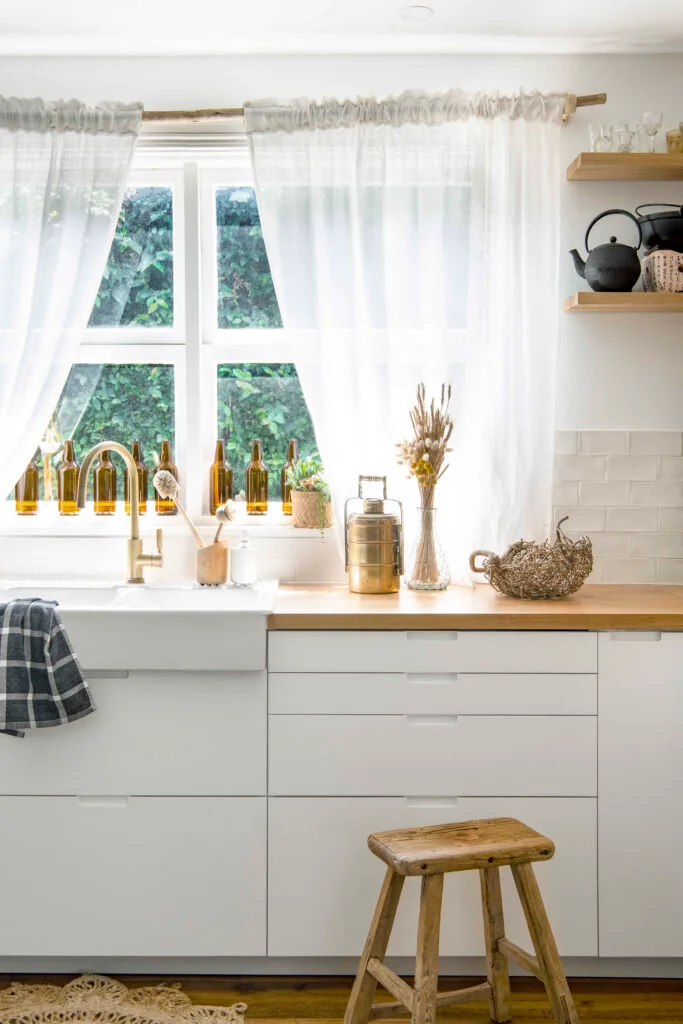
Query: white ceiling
x=128, y=27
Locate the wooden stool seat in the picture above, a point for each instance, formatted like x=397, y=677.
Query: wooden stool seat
x=462, y=846
x=431, y=852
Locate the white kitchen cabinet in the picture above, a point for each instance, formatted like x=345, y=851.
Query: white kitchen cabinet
x=426, y=651
x=640, y=779
x=153, y=734
x=133, y=877
x=324, y=882
x=432, y=693
x=432, y=755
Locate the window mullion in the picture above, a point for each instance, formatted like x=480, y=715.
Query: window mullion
x=190, y=451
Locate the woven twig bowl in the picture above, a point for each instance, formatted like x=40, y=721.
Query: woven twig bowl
x=537, y=571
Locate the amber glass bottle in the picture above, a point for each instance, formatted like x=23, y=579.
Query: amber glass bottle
x=26, y=491
x=257, y=482
x=165, y=506
x=220, y=479
x=67, y=482
x=142, y=481
x=286, y=491
x=105, y=486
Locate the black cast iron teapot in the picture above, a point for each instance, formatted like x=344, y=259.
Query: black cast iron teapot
x=613, y=266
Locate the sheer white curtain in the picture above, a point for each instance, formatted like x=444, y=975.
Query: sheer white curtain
x=417, y=239
x=63, y=170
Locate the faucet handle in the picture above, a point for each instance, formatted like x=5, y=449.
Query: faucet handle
x=160, y=540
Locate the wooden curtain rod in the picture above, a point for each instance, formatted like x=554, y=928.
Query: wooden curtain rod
x=220, y=114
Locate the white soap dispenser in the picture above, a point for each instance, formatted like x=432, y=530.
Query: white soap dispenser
x=243, y=563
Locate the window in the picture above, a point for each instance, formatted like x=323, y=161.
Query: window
x=185, y=340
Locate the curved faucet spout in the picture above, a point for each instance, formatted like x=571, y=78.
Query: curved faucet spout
x=137, y=559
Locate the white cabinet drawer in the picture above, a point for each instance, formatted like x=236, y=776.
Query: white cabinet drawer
x=153, y=734
x=425, y=693
x=402, y=755
x=432, y=651
x=321, y=906
x=137, y=877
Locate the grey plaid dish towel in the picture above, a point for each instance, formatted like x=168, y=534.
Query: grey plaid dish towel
x=41, y=682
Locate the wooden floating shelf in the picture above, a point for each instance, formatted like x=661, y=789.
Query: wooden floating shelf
x=624, y=302
x=626, y=167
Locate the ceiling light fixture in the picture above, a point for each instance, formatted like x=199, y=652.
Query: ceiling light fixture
x=417, y=12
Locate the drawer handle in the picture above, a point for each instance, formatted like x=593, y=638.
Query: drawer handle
x=431, y=801
x=635, y=637
x=442, y=679
x=432, y=719
x=106, y=673
x=434, y=636
x=103, y=801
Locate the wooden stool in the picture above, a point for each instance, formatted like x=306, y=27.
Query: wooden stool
x=430, y=852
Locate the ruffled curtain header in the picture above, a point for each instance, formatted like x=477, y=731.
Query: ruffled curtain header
x=36, y=115
x=409, y=108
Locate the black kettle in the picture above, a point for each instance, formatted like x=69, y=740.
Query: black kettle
x=613, y=266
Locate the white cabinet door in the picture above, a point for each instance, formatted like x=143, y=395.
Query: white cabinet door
x=640, y=780
x=432, y=755
x=320, y=904
x=153, y=734
x=133, y=877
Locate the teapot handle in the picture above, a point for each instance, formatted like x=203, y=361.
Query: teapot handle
x=644, y=206
x=606, y=213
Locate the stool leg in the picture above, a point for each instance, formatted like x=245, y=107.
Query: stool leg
x=427, y=962
x=494, y=929
x=543, y=939
x=365, y=986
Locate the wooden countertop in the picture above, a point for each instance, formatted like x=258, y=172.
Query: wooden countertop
x=597, y=606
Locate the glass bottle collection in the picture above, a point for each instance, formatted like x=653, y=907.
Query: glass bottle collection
x=104, y=482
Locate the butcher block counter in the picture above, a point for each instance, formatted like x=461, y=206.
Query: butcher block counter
x=598, y=606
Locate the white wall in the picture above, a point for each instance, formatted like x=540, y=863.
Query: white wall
x=615, y=371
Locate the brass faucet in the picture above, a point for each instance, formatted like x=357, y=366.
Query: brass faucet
x=137, y=559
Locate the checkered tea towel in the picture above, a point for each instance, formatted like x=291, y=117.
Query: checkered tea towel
x=41, y=682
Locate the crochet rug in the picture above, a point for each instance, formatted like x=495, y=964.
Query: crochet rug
x=93, y=999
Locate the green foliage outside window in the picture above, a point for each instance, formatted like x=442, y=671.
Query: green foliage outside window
x=137, y=284
x=265, y=401
x=246, y=297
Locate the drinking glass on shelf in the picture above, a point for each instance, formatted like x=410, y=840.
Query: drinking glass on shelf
x=652, y=122
x=603, y=139
x=625, y=137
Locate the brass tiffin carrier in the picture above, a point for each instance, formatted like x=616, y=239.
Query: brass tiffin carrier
x=373, y=542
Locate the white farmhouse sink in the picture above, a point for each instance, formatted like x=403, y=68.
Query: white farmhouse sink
x=151, y=626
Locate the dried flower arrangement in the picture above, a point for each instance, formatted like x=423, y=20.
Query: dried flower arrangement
x=425, y=457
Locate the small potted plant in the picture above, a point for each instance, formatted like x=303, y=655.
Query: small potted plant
x=311, y=502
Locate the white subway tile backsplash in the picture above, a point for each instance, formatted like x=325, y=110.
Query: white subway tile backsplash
x=631, y=467
x=659, y=494
x=670, y=468
x=670, y=520
x=603, y=442
x=632, y=519
x=580, y=467
x=565, y=493
x=603, y=493
x=629, y=489
x=566, y=442
x=630, y=570
x=656, y=442
x=657, y=545
x=581, y=520
x=670, y=570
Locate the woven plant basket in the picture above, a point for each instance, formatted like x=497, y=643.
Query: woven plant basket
x=310, y=511
x=534, y=571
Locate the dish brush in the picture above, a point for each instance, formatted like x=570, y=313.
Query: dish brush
x=224, y=514
x=168, y=487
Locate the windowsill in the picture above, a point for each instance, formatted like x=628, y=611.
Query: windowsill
x=48, y=523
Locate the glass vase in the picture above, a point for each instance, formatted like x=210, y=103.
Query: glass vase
x=427, y=567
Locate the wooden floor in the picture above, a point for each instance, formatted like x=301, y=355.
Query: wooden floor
x=290, y=999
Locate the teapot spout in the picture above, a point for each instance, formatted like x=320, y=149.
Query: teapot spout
x=579, y=264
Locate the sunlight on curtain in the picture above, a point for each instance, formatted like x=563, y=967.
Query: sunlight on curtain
x=63, y=170
x=418, y=240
